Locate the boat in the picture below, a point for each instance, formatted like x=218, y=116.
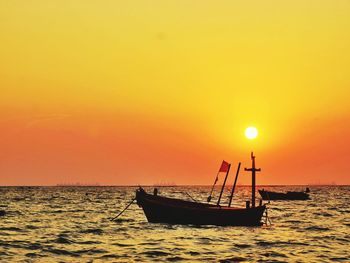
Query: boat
x=2, y=212
x=290, y=195
x=160, y=209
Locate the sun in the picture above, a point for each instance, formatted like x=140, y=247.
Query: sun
x=251, y=133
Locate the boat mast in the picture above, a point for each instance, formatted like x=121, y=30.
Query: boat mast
x=234, y=185
x=212, y=189
x=253, y=170
x=223, y=185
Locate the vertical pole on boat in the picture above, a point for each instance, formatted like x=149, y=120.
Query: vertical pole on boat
x=223, y=185
x=253, y=170
x=212, y=189
x=234, y=185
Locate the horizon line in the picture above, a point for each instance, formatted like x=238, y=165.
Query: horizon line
x=170, y=185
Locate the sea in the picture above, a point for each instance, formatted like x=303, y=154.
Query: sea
x=73, y=224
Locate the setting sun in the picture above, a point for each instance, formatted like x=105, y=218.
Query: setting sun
x=251, y=133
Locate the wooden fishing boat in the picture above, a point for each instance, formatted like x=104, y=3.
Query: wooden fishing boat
x=159, y=209
x=269, y=195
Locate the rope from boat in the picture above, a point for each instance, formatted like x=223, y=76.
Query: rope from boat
x=191, y=197
x=267, y=219
x=114, y=218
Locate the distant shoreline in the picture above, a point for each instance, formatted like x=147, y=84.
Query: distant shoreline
x=263, y=185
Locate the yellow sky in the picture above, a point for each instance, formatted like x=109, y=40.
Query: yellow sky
x=199, y=70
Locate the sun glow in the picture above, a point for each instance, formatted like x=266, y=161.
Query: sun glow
x=94, y=90
x=251, y=133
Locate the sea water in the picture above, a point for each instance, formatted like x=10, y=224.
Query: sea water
x=72, y=224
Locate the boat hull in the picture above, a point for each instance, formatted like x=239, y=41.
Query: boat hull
x=175, y=211
x=267, y=195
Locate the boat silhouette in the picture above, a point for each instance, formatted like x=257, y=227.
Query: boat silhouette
x=291, y=195
x=159, y=209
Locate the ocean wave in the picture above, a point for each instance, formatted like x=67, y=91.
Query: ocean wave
x=57, y=251
x=96, y=231
x=4, y=253
x=122, y=220
x=15, y=229
x=274, y=254
x=88, y=242
x=317, y=228
x=242, y=245
x=62, y=240
x=122, y=245
x=111, y=256
x=232, y=259
x=280, y=243
x=175, y=258
x=32, y=255
x=91, y=251
x=340, y=259
x=31, y=227
x=293, y=221
x=323, y=214
x=155, y=253
x=34, y=246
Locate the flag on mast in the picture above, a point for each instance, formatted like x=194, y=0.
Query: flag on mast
x=224, y=167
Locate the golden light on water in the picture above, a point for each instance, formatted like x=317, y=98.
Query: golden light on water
x=251, y=133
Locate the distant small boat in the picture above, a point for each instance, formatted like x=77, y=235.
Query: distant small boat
x=269, y=195
x=2, y=212
x=159, y=209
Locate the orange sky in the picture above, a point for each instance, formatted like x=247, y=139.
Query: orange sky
x=140, y=92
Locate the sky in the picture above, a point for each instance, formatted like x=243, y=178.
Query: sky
x=160, y=92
